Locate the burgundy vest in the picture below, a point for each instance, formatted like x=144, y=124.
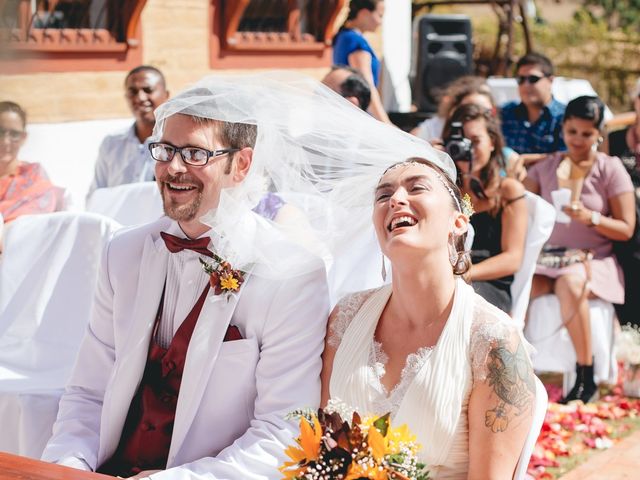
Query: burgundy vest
x=146, y=436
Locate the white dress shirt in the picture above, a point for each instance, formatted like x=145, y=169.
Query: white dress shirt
x=122, y=159
x=185, y=282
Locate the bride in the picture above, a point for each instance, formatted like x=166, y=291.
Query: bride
x=426, y=348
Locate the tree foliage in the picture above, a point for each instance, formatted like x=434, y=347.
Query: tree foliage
x=624, y=14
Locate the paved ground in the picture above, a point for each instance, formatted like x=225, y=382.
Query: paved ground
x=622, y=461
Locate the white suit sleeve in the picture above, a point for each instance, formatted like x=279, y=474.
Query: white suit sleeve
x=76, y=432
x=287, y=378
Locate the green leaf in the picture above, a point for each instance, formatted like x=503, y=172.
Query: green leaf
x=382, y=424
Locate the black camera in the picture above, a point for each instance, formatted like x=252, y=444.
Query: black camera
x=457, y=146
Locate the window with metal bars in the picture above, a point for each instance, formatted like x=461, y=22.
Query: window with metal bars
x=290, y=30
x=46, y=30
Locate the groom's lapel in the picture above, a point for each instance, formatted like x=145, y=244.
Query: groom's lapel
x=202, y=354
x=130, y=366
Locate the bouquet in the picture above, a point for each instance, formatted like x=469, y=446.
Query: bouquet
x=329, y=448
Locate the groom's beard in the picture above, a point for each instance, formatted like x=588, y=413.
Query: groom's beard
x=178, y=209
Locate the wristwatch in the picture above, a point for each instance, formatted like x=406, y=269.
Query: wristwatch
x=595, y=218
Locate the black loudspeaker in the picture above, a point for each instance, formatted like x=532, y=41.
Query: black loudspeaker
x=442, y=52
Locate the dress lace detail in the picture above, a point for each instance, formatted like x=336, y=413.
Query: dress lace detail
x=385, y=401
x=343, y=313
x=390, y=401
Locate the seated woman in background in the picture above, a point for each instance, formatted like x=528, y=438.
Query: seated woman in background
x=24, y=187
x=602, y=212
x=500, y=218
x=464, y=91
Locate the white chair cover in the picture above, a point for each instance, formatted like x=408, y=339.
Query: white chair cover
x=48, y=273
x=541, y=219
x=554, y=350
x=539, y=412
x=129, y=204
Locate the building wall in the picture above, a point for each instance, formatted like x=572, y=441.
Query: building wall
x=176, y=40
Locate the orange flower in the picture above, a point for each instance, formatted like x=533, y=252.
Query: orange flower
x=309, y=440
x=229, y=282
x=310, y=437
x=377, y=444
x=372, y=472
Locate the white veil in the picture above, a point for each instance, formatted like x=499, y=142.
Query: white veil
x=315, y=150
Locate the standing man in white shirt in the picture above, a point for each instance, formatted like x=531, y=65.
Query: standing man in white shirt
x=124, y=156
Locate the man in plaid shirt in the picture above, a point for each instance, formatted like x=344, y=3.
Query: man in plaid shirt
x=533, y=126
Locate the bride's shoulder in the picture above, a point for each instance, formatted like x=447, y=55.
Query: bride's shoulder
x=344, y=311
x=494, y=335
x=489, y=322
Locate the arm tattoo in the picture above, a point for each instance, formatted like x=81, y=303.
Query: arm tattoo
x=513, y=382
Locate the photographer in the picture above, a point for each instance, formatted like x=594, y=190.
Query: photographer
x=473, y=140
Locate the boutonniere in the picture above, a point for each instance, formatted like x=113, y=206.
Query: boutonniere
x=222, y=277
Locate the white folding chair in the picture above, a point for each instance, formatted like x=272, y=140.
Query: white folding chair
x=554, y=350
x=48, y=273
x=129, y=204
x=539, y=412
x=541, y=219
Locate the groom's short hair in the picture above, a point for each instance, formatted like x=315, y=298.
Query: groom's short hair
x=231, y=135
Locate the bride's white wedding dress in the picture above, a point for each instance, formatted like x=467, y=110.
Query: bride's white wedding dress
x=432, y=396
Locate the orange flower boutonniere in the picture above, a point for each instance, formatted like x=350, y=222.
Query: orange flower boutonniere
x=222, y=277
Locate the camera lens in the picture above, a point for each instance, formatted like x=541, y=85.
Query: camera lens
x=454, y=151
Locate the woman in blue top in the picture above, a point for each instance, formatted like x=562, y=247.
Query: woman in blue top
x=351, y=48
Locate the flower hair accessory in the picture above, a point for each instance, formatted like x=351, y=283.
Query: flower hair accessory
x=222, y=278
x=467, y=206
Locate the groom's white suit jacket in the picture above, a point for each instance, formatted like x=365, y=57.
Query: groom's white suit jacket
x=229, y=421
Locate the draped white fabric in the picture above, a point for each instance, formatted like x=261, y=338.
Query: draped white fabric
x=434, y=402
x=554, y=350
x=129, y=204
x=48, y=272
x=540, y=224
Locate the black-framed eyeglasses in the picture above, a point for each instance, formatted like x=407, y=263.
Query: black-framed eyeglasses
x=529, y=78
x=14, y=135
x=196, y=156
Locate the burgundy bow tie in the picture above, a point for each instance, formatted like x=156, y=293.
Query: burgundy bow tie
x=176, y=244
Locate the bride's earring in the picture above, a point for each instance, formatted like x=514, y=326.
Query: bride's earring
x=453, y=254
x=384, y=269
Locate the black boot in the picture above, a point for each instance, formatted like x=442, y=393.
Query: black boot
x=585, y=387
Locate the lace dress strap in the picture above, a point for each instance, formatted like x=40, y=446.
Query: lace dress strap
x=344, y=312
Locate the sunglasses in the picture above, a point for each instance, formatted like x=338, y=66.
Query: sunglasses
x=529, y=78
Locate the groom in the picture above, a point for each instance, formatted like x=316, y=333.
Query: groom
x=175, y=379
